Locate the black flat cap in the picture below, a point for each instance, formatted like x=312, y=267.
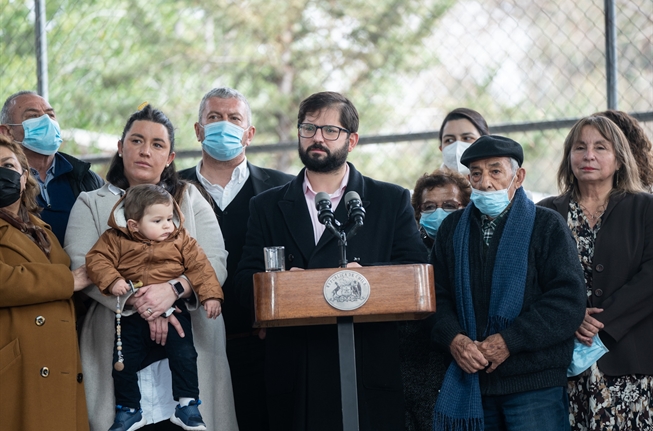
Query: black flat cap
x=489, y=146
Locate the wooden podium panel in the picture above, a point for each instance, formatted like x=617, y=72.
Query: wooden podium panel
x=296, y=298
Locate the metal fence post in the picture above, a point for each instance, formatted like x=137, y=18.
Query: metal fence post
x=611, y=53
x=41, y=49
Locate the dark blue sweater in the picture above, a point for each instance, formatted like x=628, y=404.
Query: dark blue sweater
x=540, y=340
x=71, y=177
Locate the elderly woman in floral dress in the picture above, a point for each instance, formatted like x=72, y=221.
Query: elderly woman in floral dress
x=611, y=218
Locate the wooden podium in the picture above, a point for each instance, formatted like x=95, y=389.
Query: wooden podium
x=296, y=298
x=310, y=297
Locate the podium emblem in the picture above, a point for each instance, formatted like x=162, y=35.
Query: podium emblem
x=346, y=290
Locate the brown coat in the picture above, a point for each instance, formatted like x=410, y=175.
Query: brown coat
x=40, y=371
x=121, y=254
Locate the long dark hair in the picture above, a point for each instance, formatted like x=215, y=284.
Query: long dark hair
x=169, y=178
x=467, y=114
x=640, y=144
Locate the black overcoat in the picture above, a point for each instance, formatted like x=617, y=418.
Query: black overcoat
x=237, y=319
x=302, y=371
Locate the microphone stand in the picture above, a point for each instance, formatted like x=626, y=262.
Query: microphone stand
x=346, y=340
x=341, y=234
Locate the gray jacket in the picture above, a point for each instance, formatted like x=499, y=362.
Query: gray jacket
x=88, y=220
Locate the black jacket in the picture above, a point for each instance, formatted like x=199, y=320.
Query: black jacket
x=63, y=190
x=82, y=178
x=302, y=372
x=622, y=281
x=540, y=339
x=233, y=224
x=262, y=178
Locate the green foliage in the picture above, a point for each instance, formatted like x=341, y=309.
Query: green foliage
x=404, y=63
x=107, y=57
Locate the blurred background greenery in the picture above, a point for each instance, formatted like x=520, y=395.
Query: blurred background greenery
x=403, y=63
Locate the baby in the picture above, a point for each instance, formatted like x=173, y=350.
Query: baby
x=145, y=244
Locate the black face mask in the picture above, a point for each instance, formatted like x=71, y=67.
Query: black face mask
x=9, y=187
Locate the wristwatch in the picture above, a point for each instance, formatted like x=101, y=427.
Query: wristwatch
x=177, y=287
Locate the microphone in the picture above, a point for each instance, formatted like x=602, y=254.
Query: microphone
x=355, y=209
x=323, y=206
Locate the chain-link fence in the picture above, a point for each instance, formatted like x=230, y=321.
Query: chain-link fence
x=404, y=64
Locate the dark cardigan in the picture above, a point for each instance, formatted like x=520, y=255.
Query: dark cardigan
x=540, y=340
x=622, y=281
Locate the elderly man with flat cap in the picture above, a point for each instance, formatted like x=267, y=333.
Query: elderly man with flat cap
x=510, y=296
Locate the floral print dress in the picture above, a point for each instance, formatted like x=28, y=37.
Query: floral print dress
x=599, y=402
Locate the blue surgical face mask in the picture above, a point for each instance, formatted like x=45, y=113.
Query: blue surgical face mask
x=42, y=135
x=431, y=221
x=223, y=140
x=584, y=356
x=491, y=203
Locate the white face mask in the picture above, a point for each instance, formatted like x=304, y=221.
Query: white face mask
x=451, y=155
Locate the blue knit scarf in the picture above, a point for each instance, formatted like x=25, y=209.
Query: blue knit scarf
x=459, y=406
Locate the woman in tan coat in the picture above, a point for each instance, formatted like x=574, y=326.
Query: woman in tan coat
x=41, y=381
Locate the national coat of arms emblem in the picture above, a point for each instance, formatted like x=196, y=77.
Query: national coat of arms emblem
x=346, y=290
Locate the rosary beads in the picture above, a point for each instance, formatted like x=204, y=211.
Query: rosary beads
x=119, y=365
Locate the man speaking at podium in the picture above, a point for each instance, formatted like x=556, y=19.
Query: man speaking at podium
x=302, y=368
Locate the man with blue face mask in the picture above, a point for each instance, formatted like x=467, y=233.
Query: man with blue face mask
x=510, y=294
x=29, y=119
x=225, y=130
